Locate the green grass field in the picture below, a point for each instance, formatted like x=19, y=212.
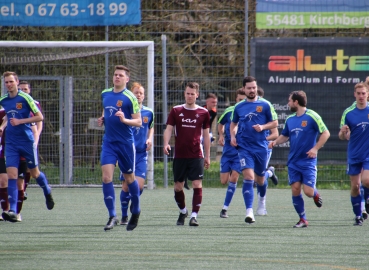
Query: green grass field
x=71, y=236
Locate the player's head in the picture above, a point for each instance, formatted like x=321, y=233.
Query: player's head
x=260, y=91
x=250, y=87
x=139, y=92
x=25, y=87
x=361, y=93
x=191, y=92
x=300, y=97
x=11, y=80
x=240, y=95
x=121, y=76
x=211, y=101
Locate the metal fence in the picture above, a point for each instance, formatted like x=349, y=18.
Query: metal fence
x=206, y=41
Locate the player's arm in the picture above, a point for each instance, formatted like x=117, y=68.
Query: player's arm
x=166, y=137
x=281, y=139
x=313, y=152
x=344, y=133
x=149, y=140
x=100, y=120
x=221, y=134
x=206, y=135
x=37, y=117
x=3, y=124
x=36, y=134
x=273, y=134
x=270, y=125
x=233, y=130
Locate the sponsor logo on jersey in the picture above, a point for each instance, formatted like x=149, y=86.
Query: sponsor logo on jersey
x=181, y=114
x=19, y=106
x=259, y=108
x=145, y=119
x=119, y=103
x=304, y=123
x=189, y=120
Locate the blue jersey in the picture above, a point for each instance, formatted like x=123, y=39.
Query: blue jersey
x=140, y=133
x=303, y=131
x=115, y=130
x=247, y=114
x=358, y=122
x=20, y=107
x=225, y=120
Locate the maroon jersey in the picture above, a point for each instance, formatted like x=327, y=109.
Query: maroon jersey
x=2, y=138
x=188, y=125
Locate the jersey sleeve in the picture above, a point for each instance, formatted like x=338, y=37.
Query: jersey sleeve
x=171, y=118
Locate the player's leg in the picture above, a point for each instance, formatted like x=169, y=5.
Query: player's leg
x=22, y=169
x=227, y=175
x=195, y=174
x=125, y=197
x=180, y=174
x=354, y=172
x=27, y=179
x=3, y=187
x=294, y=180
x=365, y=187
x=262, y=160
x=309, y=182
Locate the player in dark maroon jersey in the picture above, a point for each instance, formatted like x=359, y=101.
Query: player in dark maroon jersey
x=3, y=176
x=189, y=122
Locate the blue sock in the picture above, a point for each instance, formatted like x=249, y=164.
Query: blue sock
x=298, y=203
x=124, y=201
x=109, y=198
x=230, y=192
x=42, y=182
x=356, y=205
x=315, y=192
x=13, y=194
x=135, y=197
x=262, y=189
x=248, y=192
x=365, y=193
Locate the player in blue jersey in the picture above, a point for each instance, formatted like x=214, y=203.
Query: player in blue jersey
x=120, y=113
x=230, y=168
x=353, y=127
x=251, y=120
x=20, y=142
x=302, y=129
x=143, y=142
x=270, y=172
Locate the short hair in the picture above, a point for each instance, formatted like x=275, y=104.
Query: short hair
x=193, y=85
x=211, y=95
x=260, y=91
x=248, y=79
x=10, y=73
x=361, y=85
x=121, y=67
x=136, y=85
x=300, y=96
x=240, y=91
x=25, y=82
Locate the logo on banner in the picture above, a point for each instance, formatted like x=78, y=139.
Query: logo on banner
x=119, y=103
x=19, y=106
x=259, y=108
x=304, y=123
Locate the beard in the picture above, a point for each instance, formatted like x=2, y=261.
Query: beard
x=293, y=109
x=251, y=96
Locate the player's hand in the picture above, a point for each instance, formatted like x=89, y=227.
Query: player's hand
x=148, y=145
x=234, y=142
x=221, y=140
x=271, y=144
x=166, y=149
x=100, y=121
x=345, y=130
x=258, y=127
x=312, y=153
x=15, y=121
x=120, y=114
x=207, y=163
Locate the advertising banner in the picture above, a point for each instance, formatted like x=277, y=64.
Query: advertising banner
x=287, y=14
x=69, y=12
x=326, y=69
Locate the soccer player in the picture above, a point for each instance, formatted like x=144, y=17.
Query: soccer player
x=143, y=137
x=270, y=172
x=251, y=120
x=26, y=88
x=302, y=129
x=353, y=127
x=211, y=106
x=189, y=121
x=20, y=142
x=120, y=113
x=230, y=167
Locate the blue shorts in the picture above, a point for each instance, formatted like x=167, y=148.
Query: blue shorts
x=123, y=153
x=228, y=164
x=306, y=176
x=253, y=159
x=141, y=165
x=355, y=168
x=13, y=152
